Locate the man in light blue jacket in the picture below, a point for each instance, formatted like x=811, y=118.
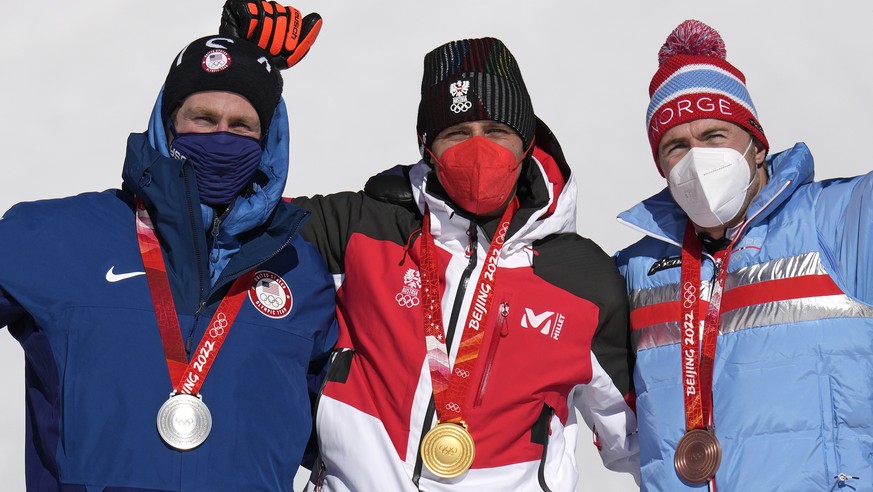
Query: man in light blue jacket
x=751, y=296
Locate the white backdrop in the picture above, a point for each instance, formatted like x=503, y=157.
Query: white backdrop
x=77, y=77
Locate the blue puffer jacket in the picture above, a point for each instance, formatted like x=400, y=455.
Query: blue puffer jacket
x=95, y=367
x=793, y=376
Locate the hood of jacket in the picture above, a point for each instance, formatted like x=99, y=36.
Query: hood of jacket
x=169, y=188
x=546, y=192
x=150, y=160
x=661, y=218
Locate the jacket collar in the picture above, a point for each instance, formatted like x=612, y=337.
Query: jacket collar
x=250, y=211
x=660, y=217
x=261, y=221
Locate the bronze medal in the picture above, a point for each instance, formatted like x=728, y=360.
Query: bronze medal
x=448, y=450
x=698, y=456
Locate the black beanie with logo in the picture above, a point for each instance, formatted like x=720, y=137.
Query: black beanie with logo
x=224, y=63
x=470, y=80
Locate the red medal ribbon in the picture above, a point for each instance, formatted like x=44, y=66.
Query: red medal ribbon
x=186, y=377
x=698, y=356
x=451, y=385
x=697, y=369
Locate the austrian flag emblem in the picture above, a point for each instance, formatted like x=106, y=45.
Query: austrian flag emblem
x=271, y=295
x=409, y=296
x=458, y=91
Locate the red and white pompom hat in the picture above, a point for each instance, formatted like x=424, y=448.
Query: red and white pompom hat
x=693, y=82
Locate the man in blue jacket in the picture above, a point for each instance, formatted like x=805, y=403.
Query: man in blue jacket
x=751, y=296
x=175, y=329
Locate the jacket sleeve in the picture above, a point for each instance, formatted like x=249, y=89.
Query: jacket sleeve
x=844, y=217
x=611, y=417
x=315, y=378
x=333, y=217
x=606, y=403
x=9, y=309
x=320, y=313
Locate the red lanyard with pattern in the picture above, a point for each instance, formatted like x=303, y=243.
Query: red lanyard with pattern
x=697, y=369
x=186, y=377
x=451, y=385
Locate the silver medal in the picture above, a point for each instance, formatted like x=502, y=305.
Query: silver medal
x=184, y=422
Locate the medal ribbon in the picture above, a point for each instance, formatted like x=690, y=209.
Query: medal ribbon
x=697, y=369
x=451, y=385
x=186, y=377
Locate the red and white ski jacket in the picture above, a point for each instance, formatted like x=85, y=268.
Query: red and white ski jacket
x=556, y=339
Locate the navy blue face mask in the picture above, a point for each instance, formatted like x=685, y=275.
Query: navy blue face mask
x=224, y=163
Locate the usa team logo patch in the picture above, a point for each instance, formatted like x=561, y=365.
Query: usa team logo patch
x=215, y=61
x=271, y=295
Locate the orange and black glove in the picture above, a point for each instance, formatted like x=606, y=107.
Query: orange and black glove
x=279, y=30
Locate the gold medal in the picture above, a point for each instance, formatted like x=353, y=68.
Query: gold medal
x=448, y=450
x=698, y=456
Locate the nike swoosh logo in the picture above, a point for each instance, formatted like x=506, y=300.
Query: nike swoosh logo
x=111, y=276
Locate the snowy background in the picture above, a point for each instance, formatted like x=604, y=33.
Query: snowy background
x=77, y=77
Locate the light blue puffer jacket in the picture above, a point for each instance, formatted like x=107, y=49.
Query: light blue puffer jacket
x=793, y=376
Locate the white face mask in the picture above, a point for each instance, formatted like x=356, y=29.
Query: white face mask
x=710, y=184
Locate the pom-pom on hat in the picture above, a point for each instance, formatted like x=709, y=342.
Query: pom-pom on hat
x=470, y=80
x=693, y=82
x=224, y=63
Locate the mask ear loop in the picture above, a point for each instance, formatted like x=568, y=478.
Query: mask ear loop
x=530, y=146
x=751, y=144
x=529, y=151
x=425, y=151
x=751, y=141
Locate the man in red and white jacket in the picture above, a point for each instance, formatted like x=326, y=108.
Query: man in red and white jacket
x=474, y=321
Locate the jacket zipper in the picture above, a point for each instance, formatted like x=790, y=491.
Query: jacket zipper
x=198, y=258
x=225, y=277
x=216, y=230
x=473, y=240
x=501, y=330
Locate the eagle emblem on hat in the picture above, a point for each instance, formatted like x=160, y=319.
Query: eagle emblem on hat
x=458, y=91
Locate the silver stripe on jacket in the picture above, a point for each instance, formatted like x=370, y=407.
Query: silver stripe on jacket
x=756, y=315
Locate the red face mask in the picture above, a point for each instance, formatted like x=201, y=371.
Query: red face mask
x=478, y=174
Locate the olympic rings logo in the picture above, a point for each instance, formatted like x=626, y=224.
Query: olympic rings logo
x=501, y=233
x=689, y=295
x=406, y=300
x=448, y=450
x=184, y=422
x=460, y=107
x=271, y=300
x=218, y=326
x=453, y=407
x=462, y=373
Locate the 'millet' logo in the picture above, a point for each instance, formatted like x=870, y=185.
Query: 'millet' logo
x=549, y=323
